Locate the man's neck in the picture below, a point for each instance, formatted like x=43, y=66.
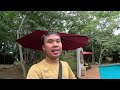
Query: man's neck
x=51, y=60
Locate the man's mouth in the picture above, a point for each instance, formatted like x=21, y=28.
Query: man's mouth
x=55, y=51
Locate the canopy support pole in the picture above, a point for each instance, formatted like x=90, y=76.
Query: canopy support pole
x=78, y=63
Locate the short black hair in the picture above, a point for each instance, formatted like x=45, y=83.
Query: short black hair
x=48, y=33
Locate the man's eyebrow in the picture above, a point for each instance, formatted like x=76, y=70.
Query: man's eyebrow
x=50, y=39
x=58, y=39
x=53, y=39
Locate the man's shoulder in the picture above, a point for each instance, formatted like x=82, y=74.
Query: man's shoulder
x=64, y=62
x=41, y=62
x=38, y=64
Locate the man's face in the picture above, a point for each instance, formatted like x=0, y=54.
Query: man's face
x=52, y=46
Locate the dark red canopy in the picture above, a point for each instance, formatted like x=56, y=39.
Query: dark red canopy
x=69, y=41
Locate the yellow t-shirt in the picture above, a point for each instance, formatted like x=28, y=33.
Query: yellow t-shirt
x=45, y=70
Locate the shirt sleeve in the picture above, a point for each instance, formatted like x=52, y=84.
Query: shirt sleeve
x=34, y=73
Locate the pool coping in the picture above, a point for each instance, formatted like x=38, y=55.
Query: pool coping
x=109, y=64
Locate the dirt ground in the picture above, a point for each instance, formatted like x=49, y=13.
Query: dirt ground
x=11, y=72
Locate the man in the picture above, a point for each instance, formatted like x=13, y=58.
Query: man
x=48, y=68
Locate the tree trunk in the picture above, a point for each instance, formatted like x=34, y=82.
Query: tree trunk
x=20, y=49
x=22, y=61
x=27, y=54
x=100, y=58
x=93, y=58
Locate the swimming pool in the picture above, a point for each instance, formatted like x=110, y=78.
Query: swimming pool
x=110, y=71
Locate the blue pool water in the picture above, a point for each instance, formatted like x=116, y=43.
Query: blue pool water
x=110, y=72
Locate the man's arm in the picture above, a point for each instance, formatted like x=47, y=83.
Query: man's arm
x=71, y=74
x=34, y=73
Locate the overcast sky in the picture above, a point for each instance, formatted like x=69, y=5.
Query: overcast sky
x=117, y=32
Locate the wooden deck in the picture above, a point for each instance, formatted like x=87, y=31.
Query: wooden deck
x=92, y=73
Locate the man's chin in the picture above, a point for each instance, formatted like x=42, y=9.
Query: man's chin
x=55, y=56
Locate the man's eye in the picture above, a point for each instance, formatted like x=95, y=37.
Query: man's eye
x=50, y=41
x=58, y=41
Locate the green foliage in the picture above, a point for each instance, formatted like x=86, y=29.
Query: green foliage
x=70, y=59
x=97, y=25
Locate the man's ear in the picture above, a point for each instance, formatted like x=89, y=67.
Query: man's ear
x=43, y=47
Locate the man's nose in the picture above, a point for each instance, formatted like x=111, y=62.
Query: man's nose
x=55, y=43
